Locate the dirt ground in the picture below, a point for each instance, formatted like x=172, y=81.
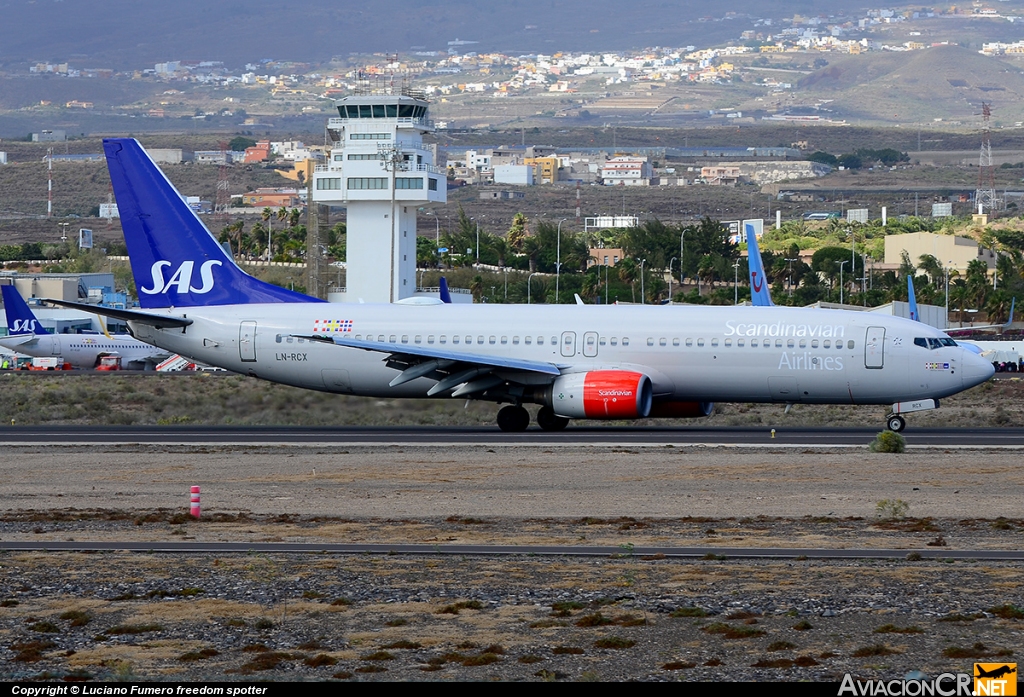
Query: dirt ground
x=269, y=616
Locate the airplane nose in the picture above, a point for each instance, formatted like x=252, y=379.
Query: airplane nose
x=974, y=369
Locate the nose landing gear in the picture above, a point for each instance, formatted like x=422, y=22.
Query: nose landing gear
x=895, y=422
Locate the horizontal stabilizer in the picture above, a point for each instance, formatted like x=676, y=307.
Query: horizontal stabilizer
x=158, y=321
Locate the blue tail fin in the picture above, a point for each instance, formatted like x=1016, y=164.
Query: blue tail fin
x=912, y=299
x=759, y=295
x=175, y=260
x=446, y=297
x=20, y=319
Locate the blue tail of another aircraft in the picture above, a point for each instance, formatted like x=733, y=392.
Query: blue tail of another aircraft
x=912, y=300
x=759, y=295
x=175, y=260
x=20, y=319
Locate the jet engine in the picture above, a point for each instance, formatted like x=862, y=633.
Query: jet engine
x=601, y=394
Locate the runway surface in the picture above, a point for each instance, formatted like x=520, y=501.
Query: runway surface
x=506, y=550
x=435, y=436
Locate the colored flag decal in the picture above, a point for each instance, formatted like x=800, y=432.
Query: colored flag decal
x=332, y=326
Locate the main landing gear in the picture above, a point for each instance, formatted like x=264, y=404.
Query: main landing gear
x=514, y=418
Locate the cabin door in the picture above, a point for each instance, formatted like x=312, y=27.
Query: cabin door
x=247, y=341
x=874, y=346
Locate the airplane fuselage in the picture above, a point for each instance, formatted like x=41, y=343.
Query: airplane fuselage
x=82, y=350
x=692, y=353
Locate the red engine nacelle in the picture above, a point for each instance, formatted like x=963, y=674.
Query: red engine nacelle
x=682, y=410
x=602, y=394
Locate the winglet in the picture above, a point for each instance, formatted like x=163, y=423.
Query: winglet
x=174, y=258
x=20, y=319
x=912, y=299
x=446, y=297
x=759, y=295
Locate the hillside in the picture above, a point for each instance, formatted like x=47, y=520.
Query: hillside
x=947, y=82
x=122, y=34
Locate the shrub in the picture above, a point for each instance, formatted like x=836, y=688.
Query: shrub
x=892, y=509
x=889, y=442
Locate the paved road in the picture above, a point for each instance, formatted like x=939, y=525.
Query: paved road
x=491, y=436
x=505, y=550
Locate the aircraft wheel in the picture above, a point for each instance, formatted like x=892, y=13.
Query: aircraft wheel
x=513, y=419
x=549, y=421
x=896, y=423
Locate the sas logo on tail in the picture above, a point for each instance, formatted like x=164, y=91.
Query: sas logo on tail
x=182, y=278
x=24, y=325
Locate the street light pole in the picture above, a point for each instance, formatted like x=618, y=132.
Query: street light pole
x=841, y=280
x=736, y=283
x=558, y=257
x=643, y=299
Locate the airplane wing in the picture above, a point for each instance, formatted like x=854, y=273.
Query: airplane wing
x=158, y=321
x=468, y=372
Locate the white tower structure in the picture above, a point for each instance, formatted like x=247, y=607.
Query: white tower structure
x=380, y=170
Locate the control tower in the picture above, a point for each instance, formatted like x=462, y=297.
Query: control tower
x=380, y=170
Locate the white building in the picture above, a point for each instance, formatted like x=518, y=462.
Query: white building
x=381, y=171
x=627, y=171
x=519, y=175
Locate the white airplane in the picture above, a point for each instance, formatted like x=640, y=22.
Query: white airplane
x=26, y=335
x=576, y=362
